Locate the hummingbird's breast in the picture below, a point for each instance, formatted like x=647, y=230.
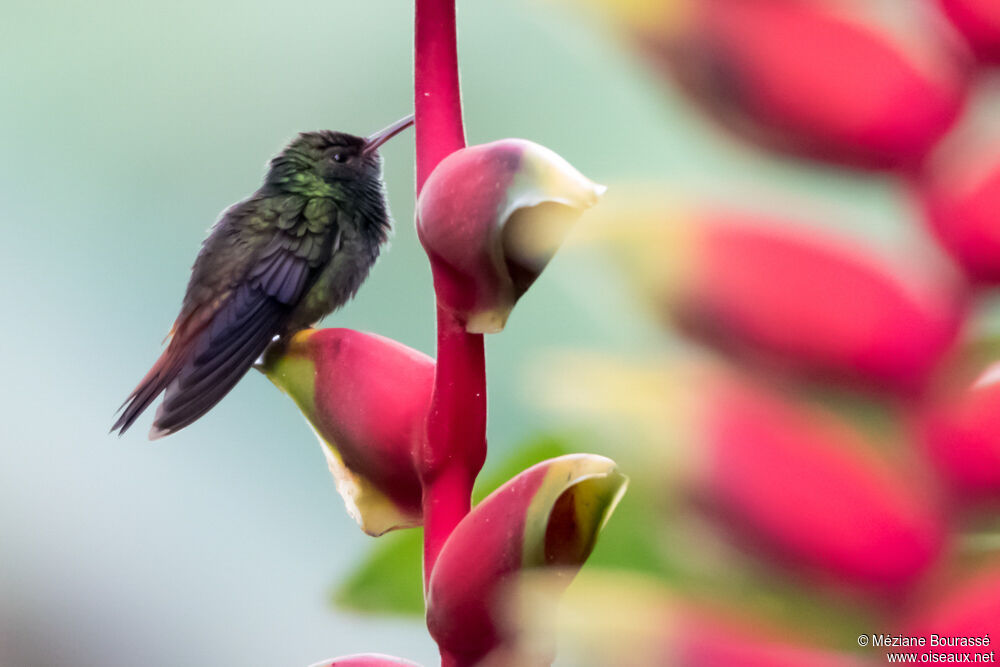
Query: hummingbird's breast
x=352, y=256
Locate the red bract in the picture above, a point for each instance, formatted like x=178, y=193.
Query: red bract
x=821, y=79
x=490, y=218
x=366, y=660
x=803, y=301
x=807, y=487
x=961, y=433
x=548, y=515
x=979, y=22
x=970, y=610
x=366, y=397
x=961, y=194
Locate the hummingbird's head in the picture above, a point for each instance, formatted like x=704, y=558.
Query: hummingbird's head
x=332, y=164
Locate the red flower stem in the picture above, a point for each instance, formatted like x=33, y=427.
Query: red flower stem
x=438, y=102
x=456, y=433
x=455, y=446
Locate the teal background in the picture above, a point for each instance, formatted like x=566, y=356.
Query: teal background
x=125, y=127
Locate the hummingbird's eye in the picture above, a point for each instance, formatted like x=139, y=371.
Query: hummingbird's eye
x=339, y=157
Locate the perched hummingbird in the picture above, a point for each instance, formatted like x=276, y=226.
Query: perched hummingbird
x=277, y=262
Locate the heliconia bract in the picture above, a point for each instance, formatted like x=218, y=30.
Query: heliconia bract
x=979, y=23
x=791, y=298
x=547, y=516
x=800, y=297
x=800, y=485
x=826, y=79
x=490, y=218
x=366, y=398
x=806, y=486
x=366, y=660
x=960, y=191
x=970, y=611
x=960, y=430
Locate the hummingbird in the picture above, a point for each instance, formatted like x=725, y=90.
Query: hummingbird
x=275, y=263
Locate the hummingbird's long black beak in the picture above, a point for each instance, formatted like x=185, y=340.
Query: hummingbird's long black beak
x=382, y=136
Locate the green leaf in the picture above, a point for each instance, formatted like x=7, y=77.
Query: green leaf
x=388, y=580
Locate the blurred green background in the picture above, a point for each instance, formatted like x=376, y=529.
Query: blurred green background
x=125, y=128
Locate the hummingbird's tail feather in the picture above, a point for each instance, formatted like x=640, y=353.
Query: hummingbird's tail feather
x=156, y=380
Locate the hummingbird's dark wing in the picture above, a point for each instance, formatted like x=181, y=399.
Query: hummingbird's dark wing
x=242, y=328
x=216, y=342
